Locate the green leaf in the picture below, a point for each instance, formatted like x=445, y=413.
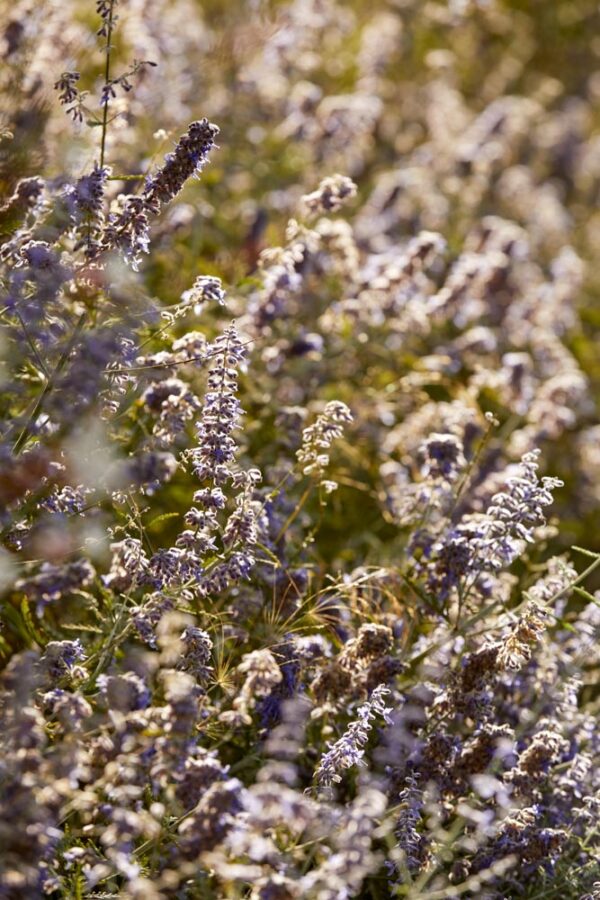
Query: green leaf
x=566, y=626
x=586, y=595
x=162, y=518
x=72, y=626
x=30, y=625
x=5, y=649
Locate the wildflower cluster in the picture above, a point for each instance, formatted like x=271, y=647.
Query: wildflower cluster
x=299, y=468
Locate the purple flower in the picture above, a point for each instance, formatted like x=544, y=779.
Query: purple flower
x=188, y=158
x=350, y=748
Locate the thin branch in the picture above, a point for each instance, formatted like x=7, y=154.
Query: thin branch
x=49, y=385
x=106, y=82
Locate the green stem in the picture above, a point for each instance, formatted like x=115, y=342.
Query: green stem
x=476, y=457
x=295, y=513
x=38, y=358
x=125, y=177
x=106, y=81
x=49, y=385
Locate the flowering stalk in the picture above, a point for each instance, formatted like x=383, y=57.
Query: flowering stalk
x=128, y=230
x=509, y=524
x=106, y=10
x=349, y=750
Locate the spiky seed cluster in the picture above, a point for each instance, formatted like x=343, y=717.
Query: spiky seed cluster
x=517, y=647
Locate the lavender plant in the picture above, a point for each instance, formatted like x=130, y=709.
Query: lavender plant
x=297, y=456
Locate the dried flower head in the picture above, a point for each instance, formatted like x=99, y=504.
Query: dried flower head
x=330, y=196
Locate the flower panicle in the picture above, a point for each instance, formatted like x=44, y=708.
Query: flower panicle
x=349, y=750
